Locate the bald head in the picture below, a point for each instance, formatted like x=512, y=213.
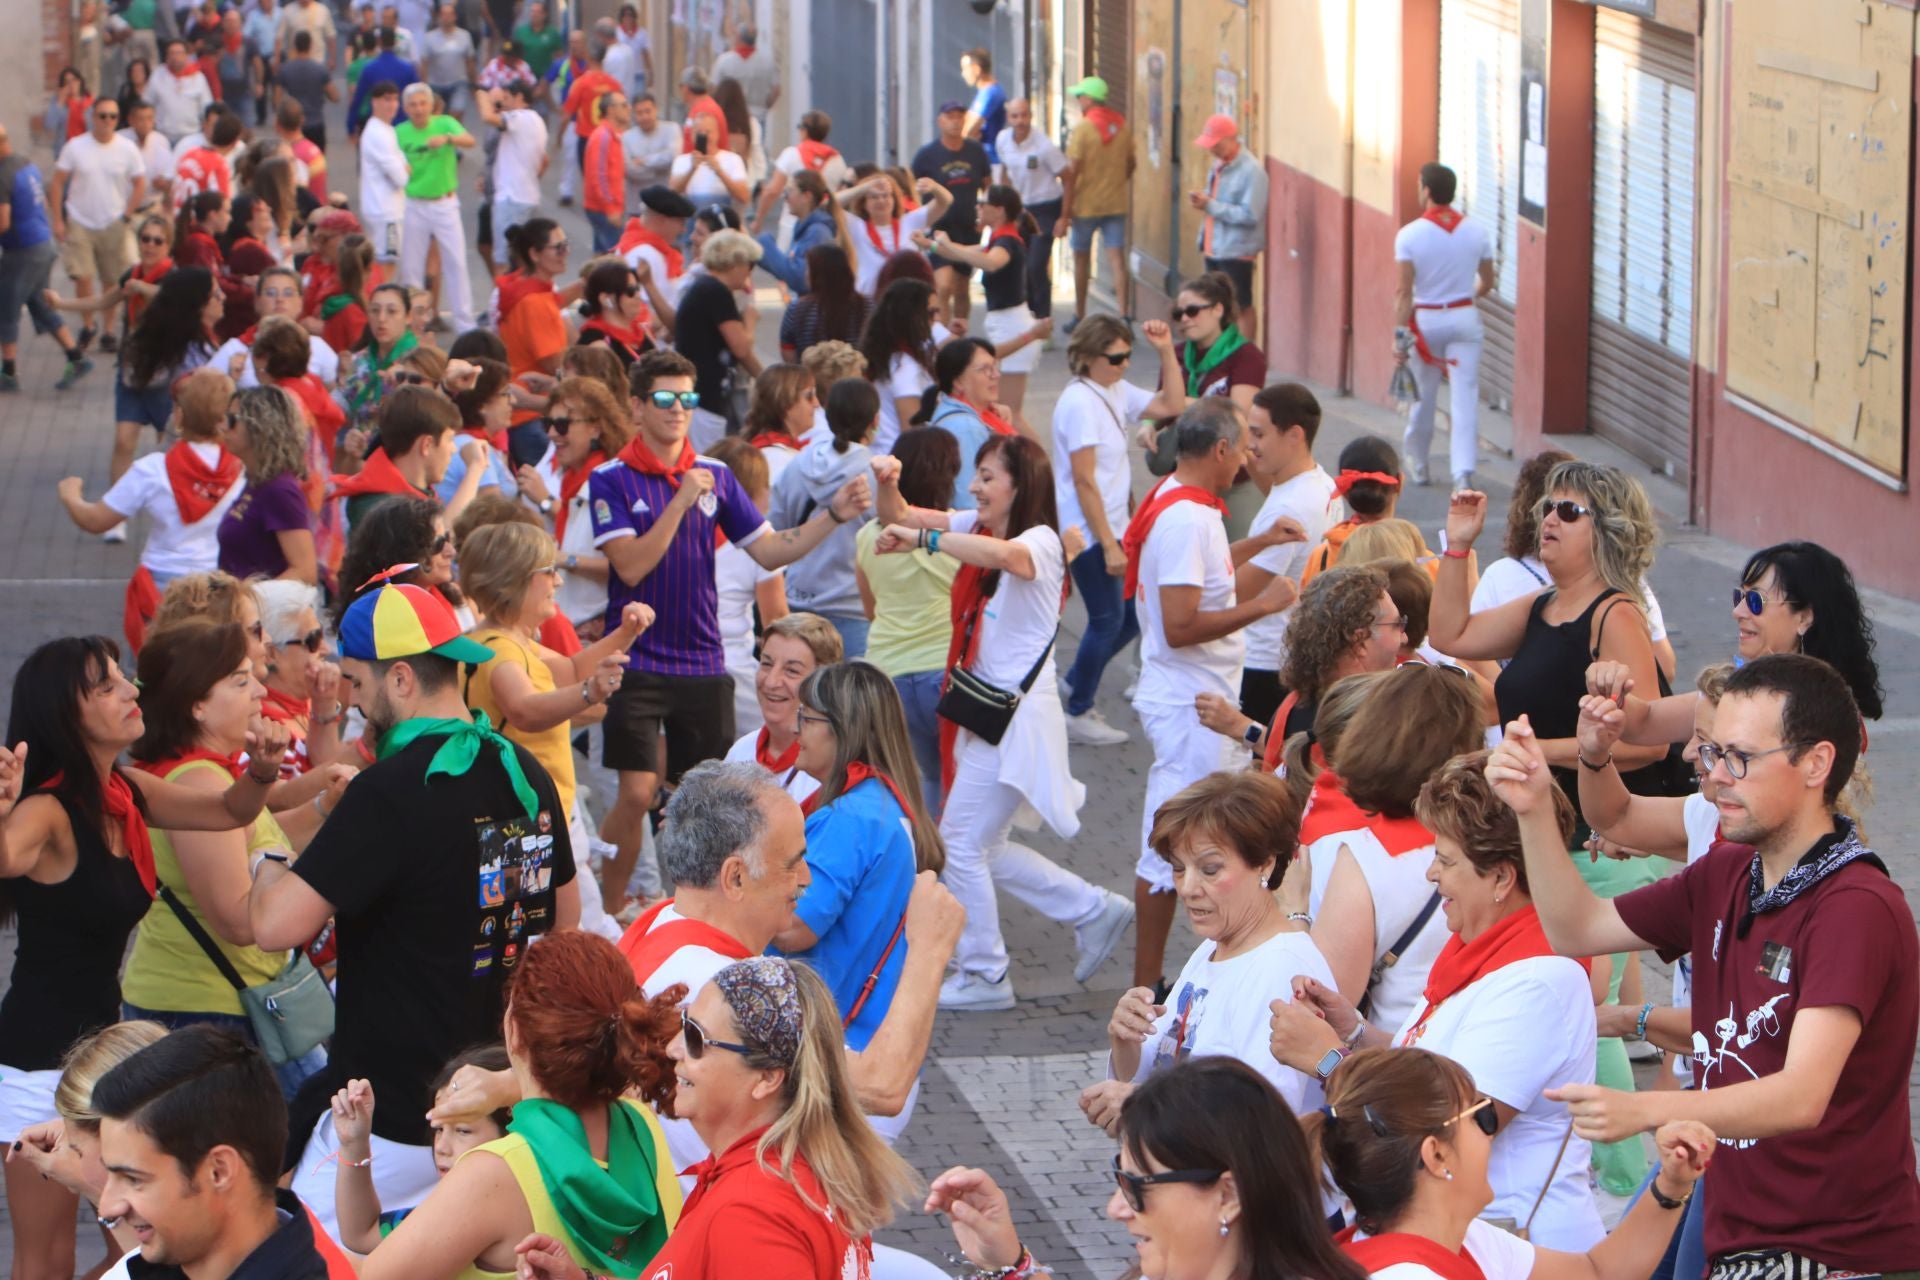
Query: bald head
x=1020, y=118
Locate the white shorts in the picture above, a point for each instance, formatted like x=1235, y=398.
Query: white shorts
x=402, y=1175
x=1006, y=325
x=1184, y=751
x=26, y=1099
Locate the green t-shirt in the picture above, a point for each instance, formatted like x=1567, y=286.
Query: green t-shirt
x=141, y=14
x=354, y=69
x=539, y=48
x=433, y=168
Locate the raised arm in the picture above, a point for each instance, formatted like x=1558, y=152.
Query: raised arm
x=1001, y=554
x=1452, y=626
x=934, y=198
x=179, y=808
x=1655, y=824
x=1172, y=396
x=989, y=259
x=780, y=548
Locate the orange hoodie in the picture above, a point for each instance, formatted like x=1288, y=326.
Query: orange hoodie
x=603, y=173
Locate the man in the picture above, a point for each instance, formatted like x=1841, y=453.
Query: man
x=314, y=18
x=959, y=164
x=385, y=67
x=754, y=70
x=538, y=43
x=1234, y=230
x=417, y=445
x=639, y=43
x=1180, y=577
x=209, y=167
x=406, y=35
x=310, y=161
x=653, y=237
x=603, y=192
x=1446, y=265
x=239, y=74
x=99, y=183
x=26, y=263
x=810, y=152
x=261, y=31
x=507, y=66
x=179, y=93
x=192, y=1132
x=987, y=113
x=656, y=510
x=1806, y=1001
x=1032, y=165
x=305, y=80
x=429, y=142
x=619, y=59
x=324, y=233
x=584, y=96
x=155, y=152
x=650, y=146
x=383, y=171
x=519, y=159
x=447, y=59
x=449, y=807
x=1100, y=147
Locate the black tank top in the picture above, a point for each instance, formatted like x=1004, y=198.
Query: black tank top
x=72, y=938
x=1007, y=287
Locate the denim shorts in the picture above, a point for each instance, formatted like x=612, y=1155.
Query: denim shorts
x=1112, y=228
x=145, y=406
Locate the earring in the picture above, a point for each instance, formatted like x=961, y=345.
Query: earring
x=1223, y=1228
x=1447, y=1174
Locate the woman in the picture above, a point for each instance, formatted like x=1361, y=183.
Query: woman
x=616, y=311
x=798, y=1181
x=1497, y=1001
x=399, y=531
x=909, y=602
x=709, y=173
x=280, y=357
x=216, y=597
x=822, y=581
x=174, y=337
x=423, y=316
x=278, y=294
x=878, y=228
x=66, y=114
x=269, y=528
x=184, y=492
x=817, y=221
x=341, y=316
x=204, y=221
x=76, y=875
x=1220, y=836
x=1093, y=484
x=197, y=697
x=1006, y=616
x=743, y=590
x=1218, y=360
x=302, y=680
x=898, y=345
x=743, y=131
x=830, y=310
x=1011, y=326
x=1368, y=482
x=134, y=87
x=486, y=411
x=1214, y=1179
x=528, y=305
x=709, y=330
x=868, y=836
x=965, y=399
x=791, y=650
x=587, y=425
x=1303, y=761
x=780, y=413
x=386, y=342
x=249, y=244
x=153, y=238
x=583, y=1164
x=1407, y=1139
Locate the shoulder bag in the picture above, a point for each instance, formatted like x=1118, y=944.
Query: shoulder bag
x=1525, y=1229
x=1392, y=955
x=291, y=1012
x=982, y=709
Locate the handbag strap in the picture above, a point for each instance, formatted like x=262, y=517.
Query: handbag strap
x=873, y=979
x=1393, y=953
x=1107, y=405
x=1527, y=1227
x=1041, y=661
x=200, y=935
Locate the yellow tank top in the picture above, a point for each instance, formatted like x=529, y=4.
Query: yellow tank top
x=553, y=747
x=168, y=972
x=546, y=1219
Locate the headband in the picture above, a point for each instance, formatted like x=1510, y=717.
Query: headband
x=765, y=1000
x=1348, y=479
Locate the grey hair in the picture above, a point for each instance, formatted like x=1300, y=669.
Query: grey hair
x=694, y=79
x=597, y=48
x=714, y=814
x=281, y=601
x=1204, y=424
x=416, y=90
x=727, y=249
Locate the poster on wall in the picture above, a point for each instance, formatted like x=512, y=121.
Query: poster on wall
x=1153, y=73
x=1533, y=112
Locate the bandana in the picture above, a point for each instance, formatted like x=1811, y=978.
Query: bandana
x=613, y=1212
x=376, y=475
x=873, y=234
x=283, y=708
x=634, y=339
x=1332, y=811
x=1229, y=341
x=197, y=487
x=1460, y=964
x=1162, y=496
x=775, y=440
x=1106, y=121
x=570, y=485
x=1377, y=1253
x=815, y=155
x=1347, y=479
x=858, y=771
x=368, y=389
x=147, y=275
x=124, y=811
x=638, y=233
x=765, y=1001
x=1828, y=855
x=465, y=739
x=786, y=759
x=995, y=423
x=642, y=459
x=161, y=768
x=1445, y=217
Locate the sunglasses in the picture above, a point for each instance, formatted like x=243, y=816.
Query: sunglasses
x=154, y=240
x=558, y=247
x=631, y=291
x=1134, y=1185
x=698, y=1041
x=1483, y=1115
x=311, y=641
x=1755, y=602
x=1117, y=357
x=1565, y=508
x=560, y=423
x=406, y=379
x=441, y=541
x=1188, y=313
x=106, y=115
x=667, y=399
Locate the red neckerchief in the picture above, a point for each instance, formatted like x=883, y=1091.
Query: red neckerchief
x=858, y=771
x=969, y=600
x=1445, y=217
x=708, y=1171
x=1006, y=231
x=647, y=948
x=873, y=234
x=775, y=440
x=1332, y=811
x=284, y=708
x=635, y=339
x=161, y=768
x=146, y=275
x=1106, y=121
x=119, y=805
x=785, y=760
x=328, y=417
x=995, y=423
x=197, y=487
x=1159, y=498
x=1376, y=1253
x=1347, y=479
x=516, y=287
x=1460, y=964
x=642, y=459
x=744, y=50
x=638, y=233
x=377, y=475
x=815, y=155
x=570, y=482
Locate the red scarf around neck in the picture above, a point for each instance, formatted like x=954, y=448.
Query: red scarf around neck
x=775, y=440
x=1445, y=217
x=969, y=601
x=1159, y=498
x=873, y=234
x=858, y=771
x=323, y=409
x=121, y=809
x=197, y=487
x=376, y=475
x=1006, y=231
x=1376, y=1253
x=995, y=423
x=135, y=304
x=815, y=155
x=764, y=756
x=570, y=484
x=634, y=338
x=642, y=459
x=161, y=768
x=1106, y=120
x=284, y=708
x=1332, y=811
x=744, y=50
x=1460, y=964
x=639, y=233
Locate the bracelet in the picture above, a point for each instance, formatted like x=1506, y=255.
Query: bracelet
x=357, y=1164
x=586, y=692
x=1359, y=1029
x=1586, y=763
x=1302, y=917
x=933, y=540
x=1640, y=1025
x=1664, y=1200
x=921, y=543
x=1023, y=1266
x=321, y=722
x=834, y=514
x=253, y=871
x=319, y=808
x=1456, y=553
x=260, y=781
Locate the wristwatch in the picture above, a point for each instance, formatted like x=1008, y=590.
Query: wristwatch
x=1329, y=1060
x=546, y=506
x=572, y=562
x=1253, y=732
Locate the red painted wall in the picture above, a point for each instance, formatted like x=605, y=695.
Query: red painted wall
x=1306, y=304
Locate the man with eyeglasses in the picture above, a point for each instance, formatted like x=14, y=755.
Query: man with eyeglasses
x=99, y=183
x=1806, y=983
x=656, y=510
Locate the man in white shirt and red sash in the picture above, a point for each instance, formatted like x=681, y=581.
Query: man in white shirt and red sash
x=1446, y=265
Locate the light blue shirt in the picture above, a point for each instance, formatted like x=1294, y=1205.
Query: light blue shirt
x=964, y=425
x=1238, y=208
x=259, y=30
x=499, y=476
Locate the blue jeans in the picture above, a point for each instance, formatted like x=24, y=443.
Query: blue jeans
x=291, y=1074
x=920, y=696
x=606, y=232
x=1040, y=259
x=853, y=635
x=1111, y=627
x=1686, y=1256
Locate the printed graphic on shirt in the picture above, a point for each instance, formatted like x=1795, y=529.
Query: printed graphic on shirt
x=515, y=889
x=1177, y=1046
x=1723, y=1064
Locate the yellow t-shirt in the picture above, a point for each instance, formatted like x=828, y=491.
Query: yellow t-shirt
x=913, y=597
x=168, y=972
x=553, y=747
x=1100, y=189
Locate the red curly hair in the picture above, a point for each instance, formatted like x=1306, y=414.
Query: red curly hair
x=591, y=1035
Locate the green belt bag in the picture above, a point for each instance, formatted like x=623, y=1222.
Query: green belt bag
x=291, y=1012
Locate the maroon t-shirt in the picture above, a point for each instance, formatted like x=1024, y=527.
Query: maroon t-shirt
x=1246, y=367
x=1844, y=1192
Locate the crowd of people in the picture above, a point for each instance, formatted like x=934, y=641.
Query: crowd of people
x=559, y=766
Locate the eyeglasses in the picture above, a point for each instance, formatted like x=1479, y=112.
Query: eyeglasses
x=667, y=399
x=154, y=240
x=1391, y=624
x=1565, y=508
x=631, y=291
x=559, y=246
x=311, y=641
x=1117, y=357
x=810, y=717
x=1188, y=313
x=441, y=541
x=1134, y=1185
x=1483, y=1115
x=698, y=1041
x=558, y=571
x=1736, y=760
x=1755, y=602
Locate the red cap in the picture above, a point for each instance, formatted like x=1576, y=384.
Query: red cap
x=1217, y=131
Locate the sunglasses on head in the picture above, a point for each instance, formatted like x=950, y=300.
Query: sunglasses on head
x=1567, y=509
x=1134, y=1185
x=1117, y=357
x=698, y=1041
x=1188, y=313
x=667, y=399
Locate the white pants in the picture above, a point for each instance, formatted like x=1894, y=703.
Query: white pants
x=438, y=221
x=402, y=1175
x=378, y=231
x=890, y=1263
x=1184, y=751
x=593, y=911
x=975, y=825
x=1453, y=336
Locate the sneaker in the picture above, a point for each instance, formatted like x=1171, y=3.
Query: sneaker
x=85, y=339
x=976, y=993
x=9, y=383
x=1133, y=686
x=1095, y=940
x=116, y=534
x=109, y=344
x=1090, y=729
x=1417, y=470
x=1462, y=480
x=1068, y=325
x=75, y=370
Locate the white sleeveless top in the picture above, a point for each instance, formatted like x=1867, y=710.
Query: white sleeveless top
x=1400, y=890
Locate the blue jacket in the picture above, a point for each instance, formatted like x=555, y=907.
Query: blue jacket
x=1238, y=208
x=789, y=266
x=385, y=65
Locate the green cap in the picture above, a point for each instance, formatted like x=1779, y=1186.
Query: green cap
x=1092, y=87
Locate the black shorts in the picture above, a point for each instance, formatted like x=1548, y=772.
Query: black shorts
x=963, y=269
x=483, y=230
x=695, y=711
x=1238, y=270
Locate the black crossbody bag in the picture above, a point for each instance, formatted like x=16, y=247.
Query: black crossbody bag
x=982, y=709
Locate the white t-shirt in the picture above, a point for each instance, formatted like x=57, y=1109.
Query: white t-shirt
x=172, y=548
x=444, y=55
x=872, y=246
x=1400, y=893
x=1524, y=1028
x=1032, y=168
x=1509, y=579
x=650, y=153
x=1303, y=498
x=1446, y=264
x=516, y=164
x=1187, y=548
x=705, y=186
x=156, y=152
x=1021, y=617
x=1501, y=1255
x=799, y=784
x=736, y=576
x=100, y=178
x=834, y=172
x=322, y=362
x=1087, y=416
x=1219, y=1008
x=906, y=380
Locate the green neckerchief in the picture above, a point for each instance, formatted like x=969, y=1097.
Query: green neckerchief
x=367, y=385
x=456, y=755
x=1229, y=341
x=612, y=1213
x=334, y=303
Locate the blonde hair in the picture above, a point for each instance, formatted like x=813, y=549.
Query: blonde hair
x=214, y=595
x=1389, y=539
x=91, y=1057
x=428, y=361
x=202, y=403
x=593, y=395
x=498, y=561
x=1624, y=529
x=276, y=433
x=831, y=361
x=813, y=631
x=725, y=250
x=748, y=464
x=1712, y=681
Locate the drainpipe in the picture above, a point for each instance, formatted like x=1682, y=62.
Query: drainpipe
x=1346, y=213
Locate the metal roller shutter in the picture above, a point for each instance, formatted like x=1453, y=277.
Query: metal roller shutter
x=1640, y=394
x=1111, y=47
x=1480, y=141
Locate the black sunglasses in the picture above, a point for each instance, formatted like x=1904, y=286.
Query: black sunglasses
x=1117, y=357
x=407, y=379
x=698, y=1041
x=441, y=541
x=1567, y=509
x=1134, y=1185
x=560, y=423
x=159, y=240
x=1188, y=313
x=311, y=641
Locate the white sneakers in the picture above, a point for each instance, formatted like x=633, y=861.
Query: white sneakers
x=1416, y=469
x=1095, y=940
x=1090, y=729
x=974, y=993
